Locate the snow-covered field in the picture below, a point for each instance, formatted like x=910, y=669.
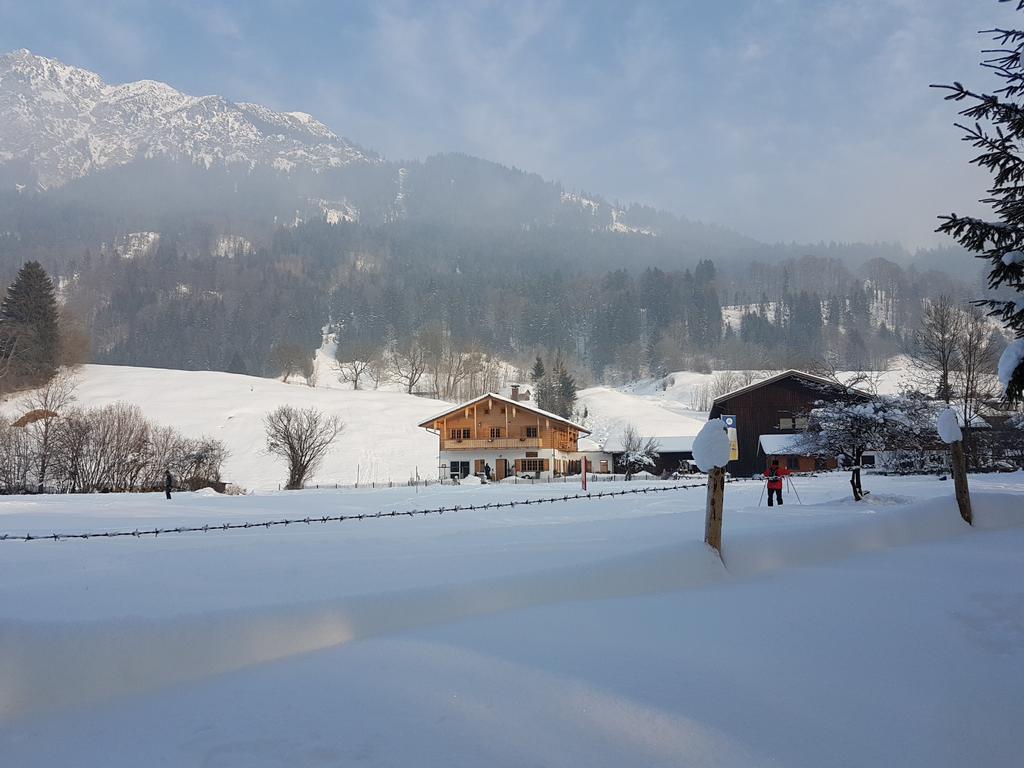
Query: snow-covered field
x=381, y=441
x=590, y=632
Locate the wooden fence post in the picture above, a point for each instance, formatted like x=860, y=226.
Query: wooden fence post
x=963, y=494
x=713, y=515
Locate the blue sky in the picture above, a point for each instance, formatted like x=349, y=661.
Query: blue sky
x=783, y=119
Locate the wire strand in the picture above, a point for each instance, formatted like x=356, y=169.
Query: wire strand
x=268, y=524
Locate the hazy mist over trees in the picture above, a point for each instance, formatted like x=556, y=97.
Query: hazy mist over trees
x=495, y=260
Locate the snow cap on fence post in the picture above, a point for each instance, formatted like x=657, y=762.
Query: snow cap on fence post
x=949, y=430
x=949, y=426
x=711, y=446
x=711, y=452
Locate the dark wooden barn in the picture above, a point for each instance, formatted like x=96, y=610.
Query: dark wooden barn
x=774, y=406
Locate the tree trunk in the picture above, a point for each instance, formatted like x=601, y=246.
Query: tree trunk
x=713, y=514
x=963, y=495
x=855, y=484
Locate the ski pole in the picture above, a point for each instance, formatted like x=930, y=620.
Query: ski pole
x=792, y=487
x=762, y=493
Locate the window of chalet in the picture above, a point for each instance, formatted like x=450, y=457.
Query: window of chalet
x=531, y=431
x=495, y=432
x=458, y=434
x=533, y=465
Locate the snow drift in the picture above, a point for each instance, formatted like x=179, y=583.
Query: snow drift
x=50, y=665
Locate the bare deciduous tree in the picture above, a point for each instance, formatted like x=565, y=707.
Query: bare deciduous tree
x=302, y=437
x=974, y=379
x=407, y=362
x=851, y=382
x=935, y=346
x=291, y=358
x=15, y=458
x=116, y=449
x=75, y=344
x=357, y=358
x=51, y=400
x=448, y=364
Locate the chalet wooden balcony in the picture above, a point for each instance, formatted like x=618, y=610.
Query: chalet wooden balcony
x=496, y=444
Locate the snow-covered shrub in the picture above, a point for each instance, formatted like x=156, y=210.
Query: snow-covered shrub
x=638, y=453
x=847, y=429
x=114, y=448
x=15, y=458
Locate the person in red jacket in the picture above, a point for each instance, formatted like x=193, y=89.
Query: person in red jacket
x=775, y=473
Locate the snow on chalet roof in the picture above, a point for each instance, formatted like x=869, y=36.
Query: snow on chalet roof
x=778, y=377
x=778, y=445
x=427, y=423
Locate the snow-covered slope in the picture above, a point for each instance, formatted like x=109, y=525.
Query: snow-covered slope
x=381, y=441
x=64, y=122
x=609, y=411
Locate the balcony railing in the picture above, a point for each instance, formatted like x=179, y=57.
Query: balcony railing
x=495, y=444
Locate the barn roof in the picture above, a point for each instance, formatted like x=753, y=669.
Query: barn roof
x=428, y=423
x=791, y=373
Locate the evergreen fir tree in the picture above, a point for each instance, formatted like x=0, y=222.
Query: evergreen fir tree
x=546, y=395
x=29, y=334
x=996, y=128
x=537, y=372
x=565, y=390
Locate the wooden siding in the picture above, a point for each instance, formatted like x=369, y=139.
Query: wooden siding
x=758, y=413
x=500, y=425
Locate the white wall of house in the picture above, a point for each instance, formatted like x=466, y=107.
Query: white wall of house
x=594, y=459
x=446, y=460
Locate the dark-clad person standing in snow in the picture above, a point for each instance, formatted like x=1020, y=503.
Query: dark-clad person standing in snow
x=168, y=482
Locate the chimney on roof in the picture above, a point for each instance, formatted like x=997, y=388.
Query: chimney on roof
x=515, y=393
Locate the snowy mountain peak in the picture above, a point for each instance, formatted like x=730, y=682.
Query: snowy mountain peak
x=59, y=122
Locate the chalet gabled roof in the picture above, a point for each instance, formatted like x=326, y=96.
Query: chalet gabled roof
x=428, y=423
x=791, y=373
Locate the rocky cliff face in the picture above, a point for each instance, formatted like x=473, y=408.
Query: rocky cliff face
x=58, y=123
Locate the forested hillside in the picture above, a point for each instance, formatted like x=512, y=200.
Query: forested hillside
x=174, y=265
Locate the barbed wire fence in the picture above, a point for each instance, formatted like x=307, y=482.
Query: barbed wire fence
x=311, y=519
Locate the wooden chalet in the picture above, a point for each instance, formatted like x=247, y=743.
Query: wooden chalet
x=507, y=435
x=769, y=409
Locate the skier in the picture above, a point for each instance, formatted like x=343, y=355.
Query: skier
x=775, y=474
x=168, y=482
